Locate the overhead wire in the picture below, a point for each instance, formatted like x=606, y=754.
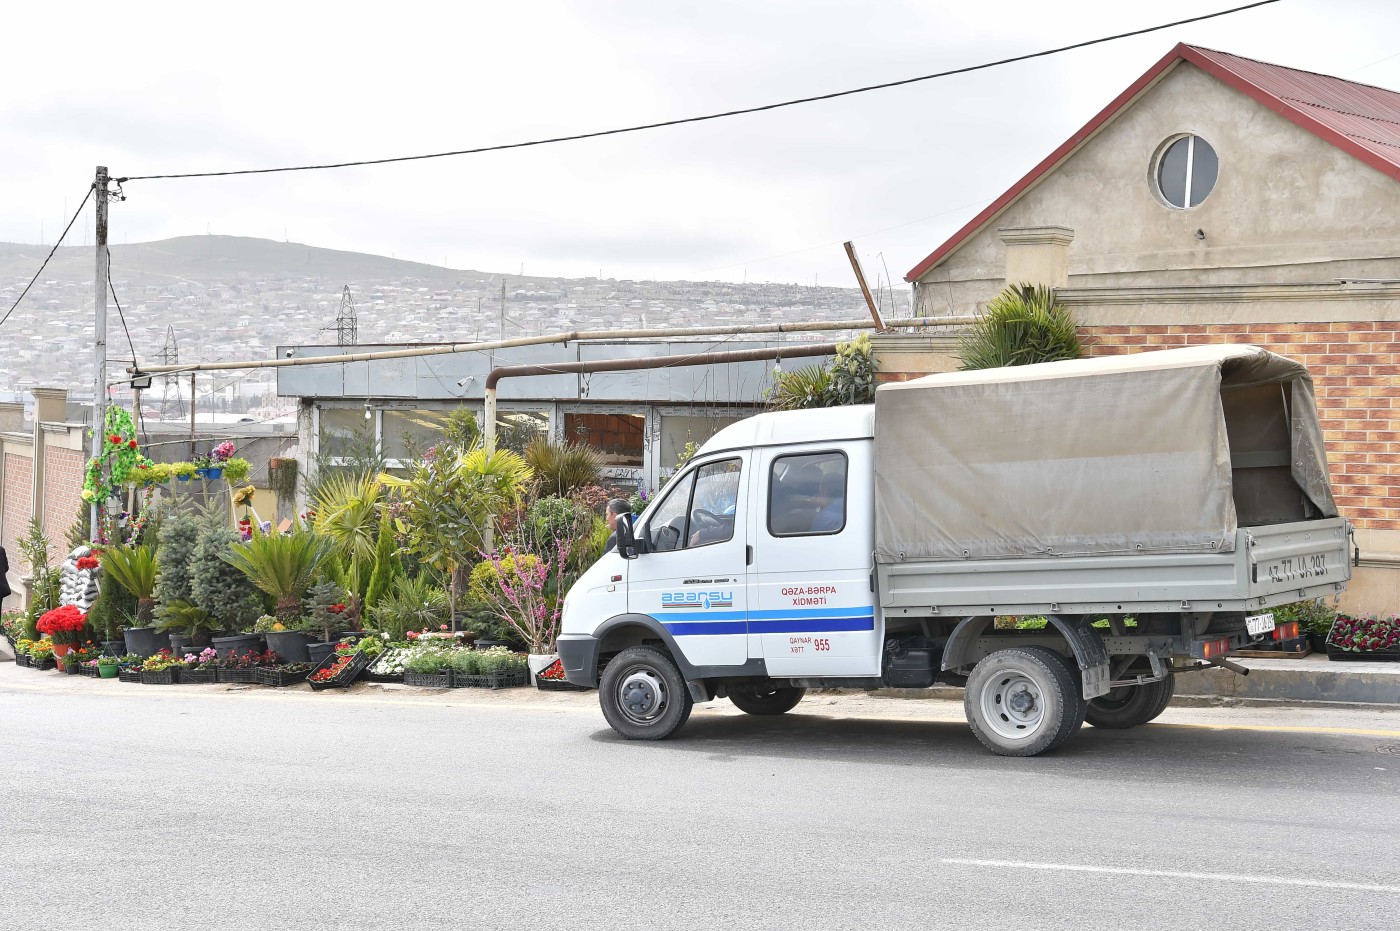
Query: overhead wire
x=709, y=116
x=45, y=264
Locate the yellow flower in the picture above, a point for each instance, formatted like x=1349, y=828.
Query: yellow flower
x=89, y=494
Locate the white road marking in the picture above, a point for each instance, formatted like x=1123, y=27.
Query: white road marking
x=1174, y=874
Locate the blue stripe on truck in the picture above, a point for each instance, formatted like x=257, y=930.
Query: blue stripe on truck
x=805, y=621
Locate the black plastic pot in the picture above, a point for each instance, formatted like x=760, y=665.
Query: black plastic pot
x=1318, y=642
x=180, y=644
x=145, y=641
x=240, y=642
x=319, y=651
x=114, y=647
x=489, y=644
x=290, y=645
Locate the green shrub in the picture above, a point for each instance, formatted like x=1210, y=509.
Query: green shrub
x=464, y=662
x=1023, y=325
x=178, y=537
x=1313, y=617
x=427, y=661
x=218, y=586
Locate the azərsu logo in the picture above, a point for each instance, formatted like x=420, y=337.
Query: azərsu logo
x=697, y=599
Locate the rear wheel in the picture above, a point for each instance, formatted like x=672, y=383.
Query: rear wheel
x=765, y=699
x=1022, y=701
x=643, y=695
x=1130, y=705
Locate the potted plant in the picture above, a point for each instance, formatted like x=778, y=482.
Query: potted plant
x=237, y=470
x=410, y=604
x=41, y=655
x=287, y=642
x=282, y=566
x=1368, y=638
x=70, y=661
x=183, y=471
x=201, y=668
x=64, y=626
x=108, y=666
x=218, y=456
x=221, y=589
x=428, y=667
x=523, y=588
x=161, y=669
x=327, y=612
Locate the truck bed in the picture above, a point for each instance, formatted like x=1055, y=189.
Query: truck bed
x=1270, y=565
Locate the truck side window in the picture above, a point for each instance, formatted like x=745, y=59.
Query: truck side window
x=807, y=495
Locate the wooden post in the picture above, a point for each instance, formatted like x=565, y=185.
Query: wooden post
x=99, y=335
x=864, y=288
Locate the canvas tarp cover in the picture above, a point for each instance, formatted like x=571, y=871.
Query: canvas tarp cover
x=1125, y=454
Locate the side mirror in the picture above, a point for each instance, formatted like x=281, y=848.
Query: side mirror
x=628, y=546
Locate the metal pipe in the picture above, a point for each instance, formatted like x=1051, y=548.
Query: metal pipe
x=797, y=351
x=810, y=326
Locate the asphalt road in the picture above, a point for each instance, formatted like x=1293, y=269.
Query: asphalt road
x=126, y=806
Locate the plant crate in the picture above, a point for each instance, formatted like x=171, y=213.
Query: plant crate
x=1387, y=655
x=248, y=676
x=129, y=675
x=496, y=680
x=89, y=671
x=163, y=677
x=359, y=662
x=428, y=680
x=22, y=660
x=199, y=676
x=277, y=678
x=551, y=679
x=381, y=677
x=43, y=665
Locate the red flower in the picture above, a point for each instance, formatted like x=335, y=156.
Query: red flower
x=86, y=562
x=131, y=444
x=116, y=440
x=62, y=620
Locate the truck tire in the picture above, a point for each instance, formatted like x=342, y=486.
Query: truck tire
x=643, y=695
x=1131, y=705
x=1022, y=702
x=765, y=699
x=1075, y=720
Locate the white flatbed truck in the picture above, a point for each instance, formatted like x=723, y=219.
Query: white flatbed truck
x=1178, y=495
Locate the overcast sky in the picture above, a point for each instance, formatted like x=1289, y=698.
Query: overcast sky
x=168, y=87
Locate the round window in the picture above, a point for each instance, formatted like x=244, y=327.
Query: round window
x=1186, y=171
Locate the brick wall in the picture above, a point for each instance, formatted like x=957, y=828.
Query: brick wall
x=1355, y=367
x=19, y=480
x=63, y=491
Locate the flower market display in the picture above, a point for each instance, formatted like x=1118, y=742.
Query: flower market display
x=451, y=571
x=1364, y=638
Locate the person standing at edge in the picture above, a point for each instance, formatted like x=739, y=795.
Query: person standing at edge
x=617, y=508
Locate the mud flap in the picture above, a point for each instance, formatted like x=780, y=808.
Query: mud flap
x=1095, y=679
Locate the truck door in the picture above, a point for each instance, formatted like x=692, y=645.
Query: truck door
x=811, y=608
x=693, y=576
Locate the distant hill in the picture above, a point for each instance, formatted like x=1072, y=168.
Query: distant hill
x=214, y=258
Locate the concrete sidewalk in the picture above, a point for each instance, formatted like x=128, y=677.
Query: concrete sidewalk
x=1313, y=678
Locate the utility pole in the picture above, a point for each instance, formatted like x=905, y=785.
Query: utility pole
x=193, y=377
x=503, y=307
x=99, y=334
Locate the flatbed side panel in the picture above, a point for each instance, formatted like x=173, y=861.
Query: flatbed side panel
x=1270, y=565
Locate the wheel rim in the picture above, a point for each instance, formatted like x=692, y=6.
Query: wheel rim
x=1013, y=706
x=1116, y=699
x=641, y=695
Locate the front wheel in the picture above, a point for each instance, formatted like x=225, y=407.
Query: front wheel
x=1130, y=705
x=765, y=699
x=1022, y=701
x=643, y=695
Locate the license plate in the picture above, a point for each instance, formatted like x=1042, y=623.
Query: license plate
x=1297, y=569
x=1259, y=623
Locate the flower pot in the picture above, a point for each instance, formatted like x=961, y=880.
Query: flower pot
x=180, y=644
x=60, y=650
x=202, y=473
x=240, y=642
x=316, y=652
x=290, y=645
x=108, y=672
x=145, y=641
x=183, y=478
x=214, y=472
x=70, y=669
x=114, y=647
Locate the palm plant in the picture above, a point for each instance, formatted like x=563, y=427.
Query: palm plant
x=1023, y=325
x=283, y=566
x=349, y=512
x=411, y=604
x=189, y=617
x=560, y=470
x=134, y=569
x=451, y=504
x=800, y=389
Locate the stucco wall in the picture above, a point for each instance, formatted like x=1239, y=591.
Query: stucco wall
x=1287, y=206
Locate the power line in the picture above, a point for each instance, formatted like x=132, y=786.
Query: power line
x=113, y=288
x=47, y=257
x=709, y=116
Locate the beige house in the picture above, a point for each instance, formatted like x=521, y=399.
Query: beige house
x=1224, y=199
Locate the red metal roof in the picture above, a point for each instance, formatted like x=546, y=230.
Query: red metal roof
x=1359, y=119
